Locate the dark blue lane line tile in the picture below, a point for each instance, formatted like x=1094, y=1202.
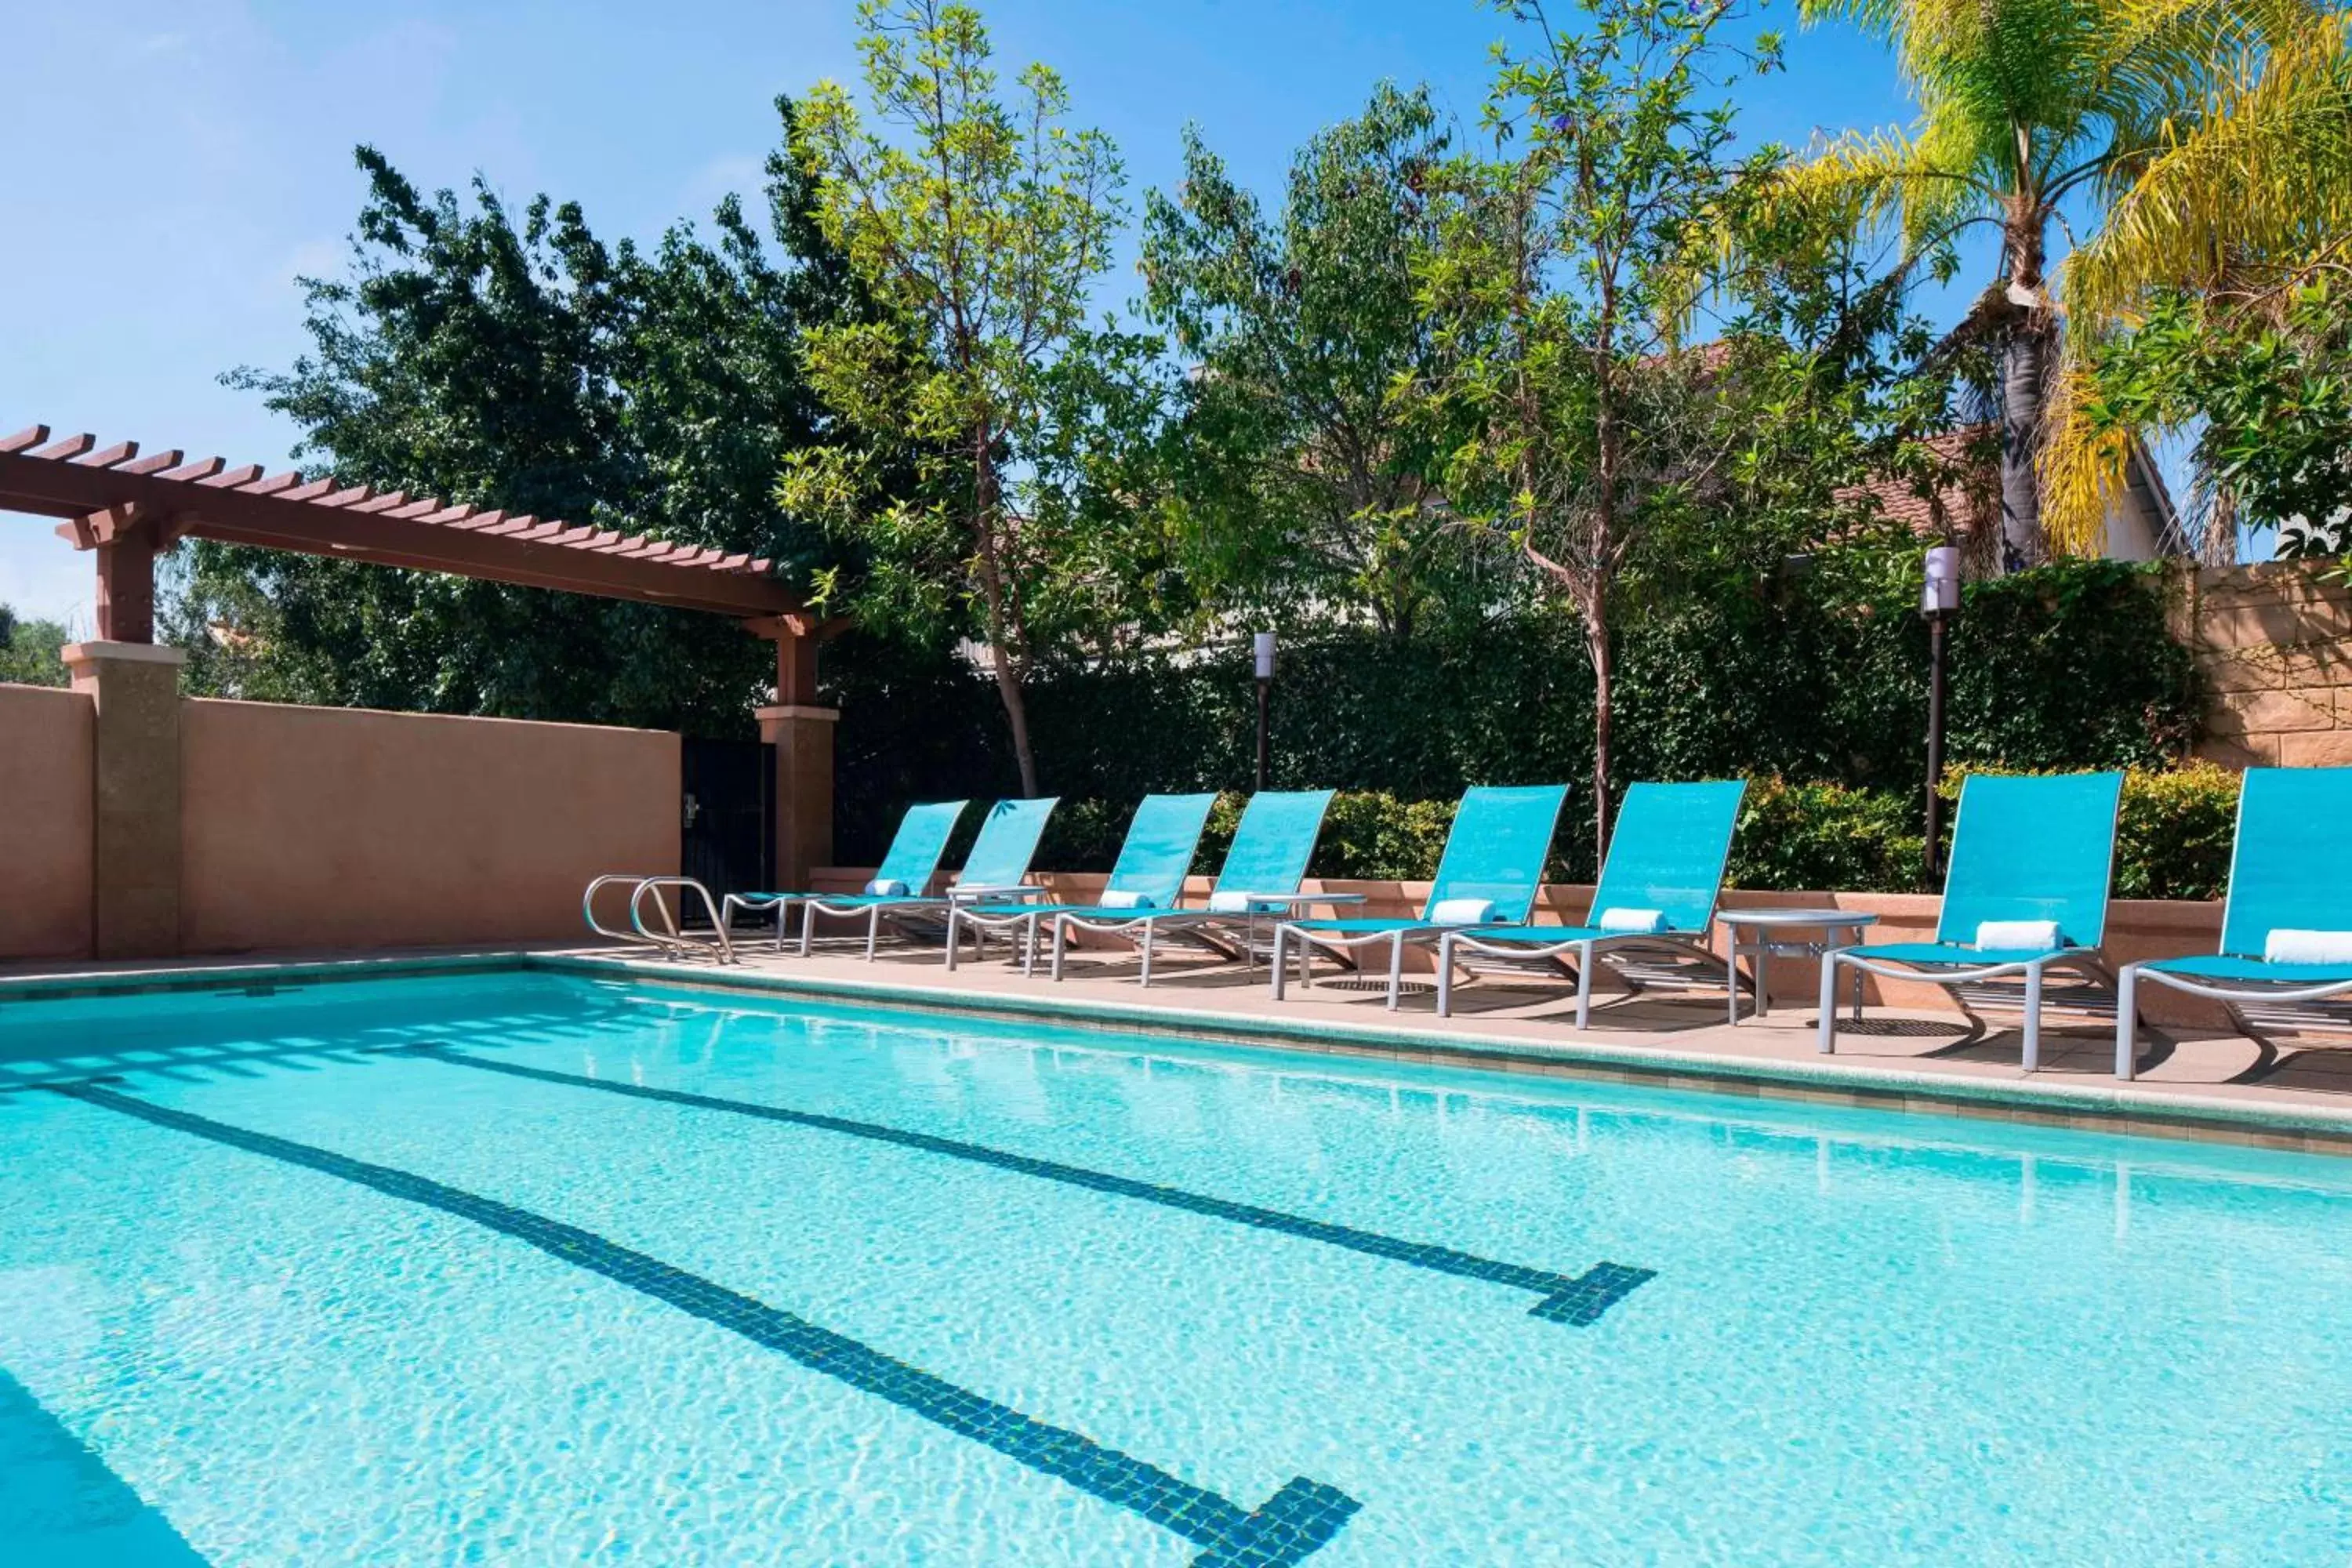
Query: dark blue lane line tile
x=60, y=1503
x=1575, y=1300
x=1292, y=1524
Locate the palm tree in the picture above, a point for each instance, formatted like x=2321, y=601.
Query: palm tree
x=2241, y=210
x=2030, y=113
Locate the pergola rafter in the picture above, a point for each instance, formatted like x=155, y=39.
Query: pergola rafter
x=127, y=507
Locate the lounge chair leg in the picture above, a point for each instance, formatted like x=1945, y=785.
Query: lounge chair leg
x=1446, y=975
x=1583, y=985
x=1828, y=1042
x=808, y=927
x=873, y=931
x=1278, y=974
x=1146, y=978
x=2033, y=1017
x=954, y=937
x=1029, y=947
x=1396, y=968
x=2128, y=1022
x=1061, y=943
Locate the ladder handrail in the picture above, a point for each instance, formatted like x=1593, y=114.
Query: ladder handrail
x=669, y=939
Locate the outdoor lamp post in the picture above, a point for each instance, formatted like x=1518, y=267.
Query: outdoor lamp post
x=1939, y=601
x=1263, y=644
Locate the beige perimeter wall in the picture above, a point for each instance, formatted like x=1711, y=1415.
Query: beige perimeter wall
x=2274, y=644
x=341, y=827
x=46, y=804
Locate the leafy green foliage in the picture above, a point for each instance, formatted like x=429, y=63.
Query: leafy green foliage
x=522, y=363
x=2273, y=397
x=1308, y=487
x=979, y=228
x=2066, y=667
x=2172, y=838
x=28, y=652
x=2176, y=831
x=1559, y=278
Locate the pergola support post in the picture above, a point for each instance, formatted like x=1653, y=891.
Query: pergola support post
x=802, y=731
x=134, y=691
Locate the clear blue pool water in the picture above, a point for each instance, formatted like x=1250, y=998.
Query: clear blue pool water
x=531, y=1270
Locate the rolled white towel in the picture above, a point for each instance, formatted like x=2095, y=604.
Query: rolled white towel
x=1632, y=923
x=886, y=888
x=1462, y=912
x=1223, y=903
x=2008, y=936
x=2308, y=947
x=1124, y=898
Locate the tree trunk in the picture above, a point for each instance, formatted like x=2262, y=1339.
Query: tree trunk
x=1016, y=718
x=2024, y=373
x=1002, y=633
x=1604, y=673
x=2024, y=362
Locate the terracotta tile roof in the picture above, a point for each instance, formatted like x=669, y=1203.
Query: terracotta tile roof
x=1971, y=502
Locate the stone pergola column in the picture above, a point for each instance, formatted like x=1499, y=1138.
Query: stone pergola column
x=802, y=731
x=134, y=691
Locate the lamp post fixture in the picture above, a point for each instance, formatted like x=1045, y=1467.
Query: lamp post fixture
x=1939, y=601
x=1263, y=645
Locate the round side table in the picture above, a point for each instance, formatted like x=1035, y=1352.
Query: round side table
x=1764, y=934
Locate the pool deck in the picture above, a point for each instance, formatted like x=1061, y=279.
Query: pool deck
x=2197, y=1084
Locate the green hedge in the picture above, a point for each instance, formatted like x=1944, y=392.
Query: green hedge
x=1822, y=679
x=2172, y=840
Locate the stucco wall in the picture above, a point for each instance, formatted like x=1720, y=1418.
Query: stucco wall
x=46, y=801
x=308, y=827
x=2274, y=644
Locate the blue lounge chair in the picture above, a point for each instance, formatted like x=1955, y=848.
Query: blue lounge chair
x=2286, y=931
x=1488, y=875
x=2027, y=891
x=1658, y=892
x=1261, y=875
x=995, y=868
x=1150, y=874
x=906, y=870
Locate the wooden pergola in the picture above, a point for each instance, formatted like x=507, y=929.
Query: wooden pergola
x=128, y=508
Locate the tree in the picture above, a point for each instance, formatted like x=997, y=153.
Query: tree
x=2029, y=110
x=1309, y=487
x=979, y=231
x=2212, y=300
x=518, y=361
x=2269, y=399
x=1559, y=280
x=28, y=652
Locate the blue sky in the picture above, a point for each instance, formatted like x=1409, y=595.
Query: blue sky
x=152, y=228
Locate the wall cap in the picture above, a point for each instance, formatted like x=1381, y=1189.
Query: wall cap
x=97, y=652
x=794, y=711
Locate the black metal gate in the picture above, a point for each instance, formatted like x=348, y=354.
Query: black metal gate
x=729, y=815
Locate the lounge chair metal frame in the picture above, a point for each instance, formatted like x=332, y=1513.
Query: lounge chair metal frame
x=1163, y=836
x=1521, y=882
x=2257, y=1004
x=1970, y=979
x=1689, y=949
x=1669, y=846
x=1272, y=845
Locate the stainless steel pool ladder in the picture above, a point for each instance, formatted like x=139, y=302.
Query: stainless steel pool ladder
x=670, y=940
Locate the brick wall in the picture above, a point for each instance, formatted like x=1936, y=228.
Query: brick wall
x=2274, y=644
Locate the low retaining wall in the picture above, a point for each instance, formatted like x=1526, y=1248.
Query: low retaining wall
x=47, y=808
x=351, y=828
x=2137, y=929
x=335, y=828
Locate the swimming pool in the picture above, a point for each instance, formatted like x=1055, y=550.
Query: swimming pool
x=527, y=1268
